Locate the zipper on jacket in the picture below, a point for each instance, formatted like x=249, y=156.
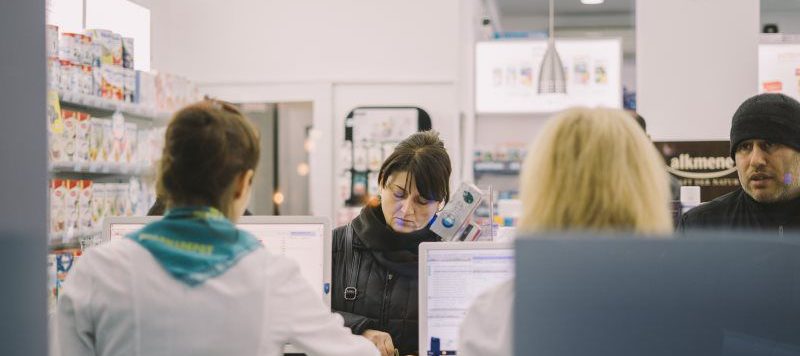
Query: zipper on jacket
x=386, y=295
x=780, y=231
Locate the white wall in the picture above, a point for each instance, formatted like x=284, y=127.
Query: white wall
x=693, y=74
x=310, y=40
x=364, y=52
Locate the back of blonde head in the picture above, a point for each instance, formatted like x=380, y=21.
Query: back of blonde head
x=594, y=170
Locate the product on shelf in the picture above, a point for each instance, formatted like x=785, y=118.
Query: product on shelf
x=108, y=142
x=96, y=153
x=65, y=261
x=66, y=76
x=145, y=89
x=71, y=208
x=53, y=72
x=360, y=160
x=173, y=92
x=85, y=217
x=70, y=128
x=374, y=157
x=58, y=224
x=101, y=63
x=84, y=79
x=127, y=52
x=111, y=83
x=98, y=204
x=52, y=288
x=128, y=84
x=78, y=207
x=110, y=46
x=71, y=47
x=51, y=37
x=83, y=137
x=130, y=143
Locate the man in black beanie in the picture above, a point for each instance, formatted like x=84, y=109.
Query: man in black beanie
x=765, y=143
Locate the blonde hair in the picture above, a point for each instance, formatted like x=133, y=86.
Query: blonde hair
x=594, y=170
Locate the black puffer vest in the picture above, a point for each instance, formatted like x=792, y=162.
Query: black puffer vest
x=386, y=278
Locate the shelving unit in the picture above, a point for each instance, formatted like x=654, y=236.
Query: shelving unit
x=511, y=168
x=99, y=169
x=100, y=172
x=94, y=104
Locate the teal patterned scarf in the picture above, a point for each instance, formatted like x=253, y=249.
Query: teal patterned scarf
x=195, y=243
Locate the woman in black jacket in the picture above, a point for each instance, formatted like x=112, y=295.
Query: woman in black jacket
x=375, y=256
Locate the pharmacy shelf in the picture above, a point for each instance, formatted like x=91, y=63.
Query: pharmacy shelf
x=496, y=168
x=100, y=168
x=73, y=242
x=96, y=103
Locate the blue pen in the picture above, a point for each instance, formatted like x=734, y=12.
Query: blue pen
x=434, y=350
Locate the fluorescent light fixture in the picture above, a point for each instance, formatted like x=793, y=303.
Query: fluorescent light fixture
x=592, y=2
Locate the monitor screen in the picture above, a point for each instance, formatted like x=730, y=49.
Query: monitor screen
x=455, y=277
x=302, y=242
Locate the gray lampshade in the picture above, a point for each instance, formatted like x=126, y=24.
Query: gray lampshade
x=551, y=74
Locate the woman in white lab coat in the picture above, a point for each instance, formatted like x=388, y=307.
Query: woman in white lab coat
x=192, y=283
x=590, y=170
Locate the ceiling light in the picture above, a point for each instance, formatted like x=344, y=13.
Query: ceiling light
x=551, y=72
x=592, y=2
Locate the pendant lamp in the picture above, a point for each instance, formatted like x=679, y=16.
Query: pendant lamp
x=551, y=73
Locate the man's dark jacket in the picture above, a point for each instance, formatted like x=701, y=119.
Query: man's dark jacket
x=738, y=211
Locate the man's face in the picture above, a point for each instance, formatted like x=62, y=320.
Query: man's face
x=769, y=172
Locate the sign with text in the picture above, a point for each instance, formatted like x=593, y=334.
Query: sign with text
x=706, y=164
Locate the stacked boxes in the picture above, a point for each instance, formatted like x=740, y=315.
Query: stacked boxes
x=101, y=63
x=86, y=139
x=78, y=207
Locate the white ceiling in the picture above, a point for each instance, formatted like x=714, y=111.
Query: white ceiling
x=574, y=7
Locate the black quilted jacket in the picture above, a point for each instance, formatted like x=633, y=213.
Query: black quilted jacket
x=387, y=277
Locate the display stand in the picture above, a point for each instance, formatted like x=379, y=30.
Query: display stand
x=371, y=134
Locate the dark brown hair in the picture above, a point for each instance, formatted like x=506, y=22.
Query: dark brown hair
x=423, y=156
x=207, y=145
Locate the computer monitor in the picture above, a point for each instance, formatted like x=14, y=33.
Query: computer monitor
x=624, y=296
x=305, y=239
x=451, y=276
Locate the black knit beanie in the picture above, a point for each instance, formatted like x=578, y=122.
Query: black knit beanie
x=771, y=117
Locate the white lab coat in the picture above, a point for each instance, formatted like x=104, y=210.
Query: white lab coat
x=487, y=328
x=119, y=301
